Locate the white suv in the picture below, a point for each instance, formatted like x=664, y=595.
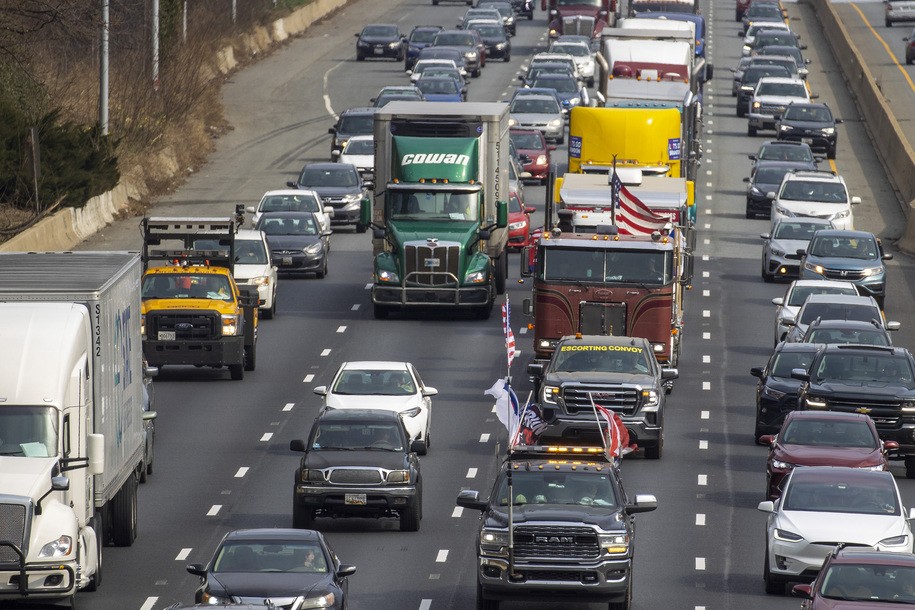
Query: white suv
x=814, y=194
x=770, y=98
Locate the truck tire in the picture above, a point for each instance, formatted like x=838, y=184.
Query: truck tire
x=626, y=603
x=381, y=311
x=483, y=603
x=410, y=518
x=302, y=518
x=237, y=371
x=654, y=451
x=124, y=513
x=501, y=272
x=910, y=466
x=251, y=356
x=96, y=580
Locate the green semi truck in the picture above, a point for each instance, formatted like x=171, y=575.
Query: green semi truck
x=440, y=213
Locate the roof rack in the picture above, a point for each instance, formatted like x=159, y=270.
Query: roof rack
x=812, y=172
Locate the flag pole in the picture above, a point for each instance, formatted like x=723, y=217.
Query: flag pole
x=614, y=195
x=600, y=431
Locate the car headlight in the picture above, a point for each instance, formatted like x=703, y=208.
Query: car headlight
x=231, y=324
x=782, y=465
x=470, y=54
x=814, y=267
x=352, y=198
x=143, y=325
x=263, y=280
x=476, y=277
x=894, y=541
x=651, y=398
x=812, y=402
x=312, y=475
x=872, y=271
x=399, y=476
x=772, y=394
x=541, y=160
x=840, y=215
x=574, y=101
x=411, y=412
x=785, y=128
x=500, y=45
x=514, y=226
x=783, y=211
x=494, y=542
x=57, y=548
x=554, y=123
x=786, y=536
x=756, y=105
x=512, y=121
x=393, y=45
x=215, y=600
x=387, y=277
x=550, y=394
x=828, y=131
x=322, y=601
x=614, y=544
x=313, y=249
x=777, y=252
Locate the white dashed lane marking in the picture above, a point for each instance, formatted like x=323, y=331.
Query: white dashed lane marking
x=308, y=378
x=425, y=604
x=288, y=406
x=183, y=554
x=266, y=437
x=368, y=286
x=703, y=415
x=706, y=336
x=457, y=512
x=214, y=510
x=700, y=518
x=706, y=385
x=325, y=352
x=705, y=274
x=706, y=293
x=700, y=563
x=356, y=307
x=703, y=444
x=706, y=313
x=706, y=359
x=149, y=603
x=442, y=556
x=341, y=329
x=471, y=473
x=242, y=472
x=484, y=438
x=702, y=480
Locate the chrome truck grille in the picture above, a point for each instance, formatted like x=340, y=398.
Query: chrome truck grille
x=432, y=263
x=355, y=476
x=578, y=24
x=12, y=529
x=551, y=542
x=186, y=325
x=624, y=400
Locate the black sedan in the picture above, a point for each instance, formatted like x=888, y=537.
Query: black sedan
x=381, y=40
x=494, y=37
x=296, y=241
x=811, y=124
x=776, y=391
x=289, y=568
x=766, y=177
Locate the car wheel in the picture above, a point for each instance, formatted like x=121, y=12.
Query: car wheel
x=360, y=57
x=908, y=60
x=507, y=57
x=750, y=214
x=124, y=513
x=323, y=272
x=889, y=23
x=409, y=518
x=361, y=228
x=910, y=466
x=625, y=603
x=773, y=586
x=738, y=17
x=751, y=131
x=476, y=73
x=302, y=518
x=757, y=432
x=654, y=451
x=530, y=16
x=831, y=153
x=561, y=139
x=269, y=314
x=483, y=603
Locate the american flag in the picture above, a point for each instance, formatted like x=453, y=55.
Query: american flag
x=635, y=218
x=510, y=350
x=616, y=186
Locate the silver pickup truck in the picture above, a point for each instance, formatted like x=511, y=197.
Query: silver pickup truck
x=770, y=98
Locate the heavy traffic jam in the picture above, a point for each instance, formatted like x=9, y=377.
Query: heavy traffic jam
x=583, y=309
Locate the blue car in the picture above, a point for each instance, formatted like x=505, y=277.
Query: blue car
x=441, y=89
x=421, y=36
x=852, y=256
x=569, y=90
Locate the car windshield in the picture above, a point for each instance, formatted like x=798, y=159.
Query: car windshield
x=769, y=175
x=781, y=89
x=28, y=431
x=356, y=125
x=643, y=267
x=527, y=141
x=814, y=190
x=880, y=367
x=785, y=361
x=490, y=31
x=775, y=38
x=800, y=293
x=786, y=63
x=270, y=556
x=796, y=230
x=247, y=251
x=844, y=247
x=427, y=205
x=576, y=357
x=442, y=71
x=423, y=35
x=576, y=50
x=562, y=85
x=814, y=114
x=359, y=382
x=328, y=177
x=763, y=11
x=828, y=433
x=359, y=147
x=872, y=497
x=785, y=152
x=289, y=203
x=754, y=73
x=437, y=85
x=757, y=27
x=213, y=286
x=571, y=488
x=856, y=336
x=870, y=583
x=538, y=71
x=344, y=436
x=380, y=31
x=288, y=225
x=838, y=311
x=531, y=105
x=454, y=39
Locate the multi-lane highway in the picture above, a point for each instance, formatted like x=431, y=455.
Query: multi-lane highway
x=222, y=460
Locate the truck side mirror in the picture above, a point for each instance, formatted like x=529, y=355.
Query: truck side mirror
x=526, y=270
x=60, y=483
x=526, y=307
x=502, y=214
x=365, y=213
x=95, y=451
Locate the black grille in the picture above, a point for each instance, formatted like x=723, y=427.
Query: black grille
x=432, y=264
x=187, y=326
x=435, y=129
x=12, y=529
x=558, y=575
x=843, y=274
x=583, y=26
x=549, y=542
x=623, y=400
x=886, y=414
x=355, y=476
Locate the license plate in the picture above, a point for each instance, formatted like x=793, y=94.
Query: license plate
x=432, y=262
x=286, y=260
x=354, y=499
x=807, y=140
x=166, y=335
x=379, y=51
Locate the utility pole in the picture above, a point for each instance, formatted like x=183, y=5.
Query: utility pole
x=103, y=72
x=155, y=44
x=234, y=10
x=184, y=21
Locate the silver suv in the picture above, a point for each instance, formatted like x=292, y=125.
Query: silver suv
x=770, y=98
x=814, y=194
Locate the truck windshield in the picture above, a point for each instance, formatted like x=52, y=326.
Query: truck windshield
x=579, y=2
x=433, y=205
x=186, y=286
x=575, y=488
x=649, y=267
x=28, y=431
x=601, y=359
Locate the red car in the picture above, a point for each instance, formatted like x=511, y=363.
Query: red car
x=519, y=223
x=861, y=577
x=823, y=438
x=532, y=145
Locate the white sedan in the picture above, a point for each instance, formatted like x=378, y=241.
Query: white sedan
x=822, y=506
x=292, y=200
x=394, y=386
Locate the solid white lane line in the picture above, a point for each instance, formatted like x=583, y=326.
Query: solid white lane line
x=149, y=603
x=330, y=109
x=706, y=385
x=706, y=336
x=442, y=556
x=308, y=378
x=484, y=438
x=700, y=563
x=242, y=472
x=706, y=359
x=703, y=444
x=703, y=415
x=702, y=480
x=266, y=437
x=700, y=518
x=457, y=512
x=183, y=554
x=325, y=352
x=341, y=329
x=355, y=307
x=214, y=510
x=471, y=473
x=288, y=406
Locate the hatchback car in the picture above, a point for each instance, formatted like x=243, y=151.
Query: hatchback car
x=847, y=332
x=352, y=122
x=814, y=194
x=817, y=438
x=852, y=256
x=340, y=186
x=421, y=36
x=835, y=307
x=531, y=144
x=394, y=386
x=296, y=242
x=860, y=578
x=788, y=306
x=539, y=111
x=360, y=151
x=381, y=40
x=811, y=124
x=813, y=515
x=780, y=258
x=764, y=178
x=272, y=567
x=776, y=390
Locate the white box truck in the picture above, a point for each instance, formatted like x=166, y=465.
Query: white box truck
x=71, y=417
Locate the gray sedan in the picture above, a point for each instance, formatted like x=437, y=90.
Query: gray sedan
x=540, y=112
x=779, y=253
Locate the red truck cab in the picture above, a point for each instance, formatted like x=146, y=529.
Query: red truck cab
x=582, y=17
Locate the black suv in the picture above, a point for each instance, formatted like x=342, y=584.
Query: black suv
x=776, y=390
x=876, y=381
x=571, y=523
x=618, y=373
x=381, y=40
x=810, y=123
x=357, y=463
x=340, y=186
x=352, y=122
